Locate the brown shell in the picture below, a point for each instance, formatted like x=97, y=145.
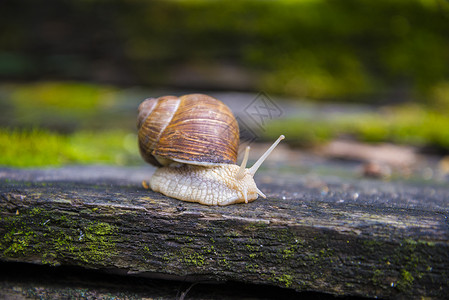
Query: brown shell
x=195, y=128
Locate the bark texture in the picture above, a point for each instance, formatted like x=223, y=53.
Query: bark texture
x=354, y=239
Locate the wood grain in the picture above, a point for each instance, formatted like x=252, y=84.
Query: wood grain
x=353, y=238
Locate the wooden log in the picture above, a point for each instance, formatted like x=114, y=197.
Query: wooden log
x=354, y=238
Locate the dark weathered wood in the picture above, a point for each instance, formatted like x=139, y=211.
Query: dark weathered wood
x=366, y=238
x=31, y=281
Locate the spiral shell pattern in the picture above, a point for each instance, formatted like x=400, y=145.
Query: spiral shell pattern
x=193, y=129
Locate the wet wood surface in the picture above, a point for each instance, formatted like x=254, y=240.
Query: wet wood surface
x=344, y=237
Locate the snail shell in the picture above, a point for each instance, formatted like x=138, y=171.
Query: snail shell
x=194, y=140
x=192, y=129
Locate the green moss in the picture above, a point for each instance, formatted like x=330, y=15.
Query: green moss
x=208, y=249
x=319, y=257
x=372, y=244
x=35, y=211
x=405, y=281
x=252, y=268
x=234, y=234
x=284, y=279
x=290, y=251
x=187, y=239
x=194, y=259
x=377, y=277
x=326, y=252
x=255, y=226
x=251, y=248
x=166, y=257
x=53, y=237
x=98, y=246
x=17, y=243
x=25, y=148
x=224, y=263
x=98, y=229
x=412, y=257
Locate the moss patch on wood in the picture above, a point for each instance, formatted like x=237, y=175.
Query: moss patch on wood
x=52, y=238
x=118, y=227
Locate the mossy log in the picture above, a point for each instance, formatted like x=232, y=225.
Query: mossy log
x=362, y=238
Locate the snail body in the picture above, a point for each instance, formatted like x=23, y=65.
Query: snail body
x=194, y=140
x=207, y=185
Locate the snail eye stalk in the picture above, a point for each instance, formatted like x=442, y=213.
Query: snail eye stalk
x=260, y=161
x=241, y=171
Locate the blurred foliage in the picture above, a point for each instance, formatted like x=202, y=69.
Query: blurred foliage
x=53, y=123
x=33, y=148
x=96, y=124
x=73, y=96
x=410, y=125
x=440, y=96
x=309, y=48
x=66, y=106
x=388, y=51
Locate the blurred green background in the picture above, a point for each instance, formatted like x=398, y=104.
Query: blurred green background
x=73, y=72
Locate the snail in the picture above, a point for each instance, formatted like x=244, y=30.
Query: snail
x=194, y=141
